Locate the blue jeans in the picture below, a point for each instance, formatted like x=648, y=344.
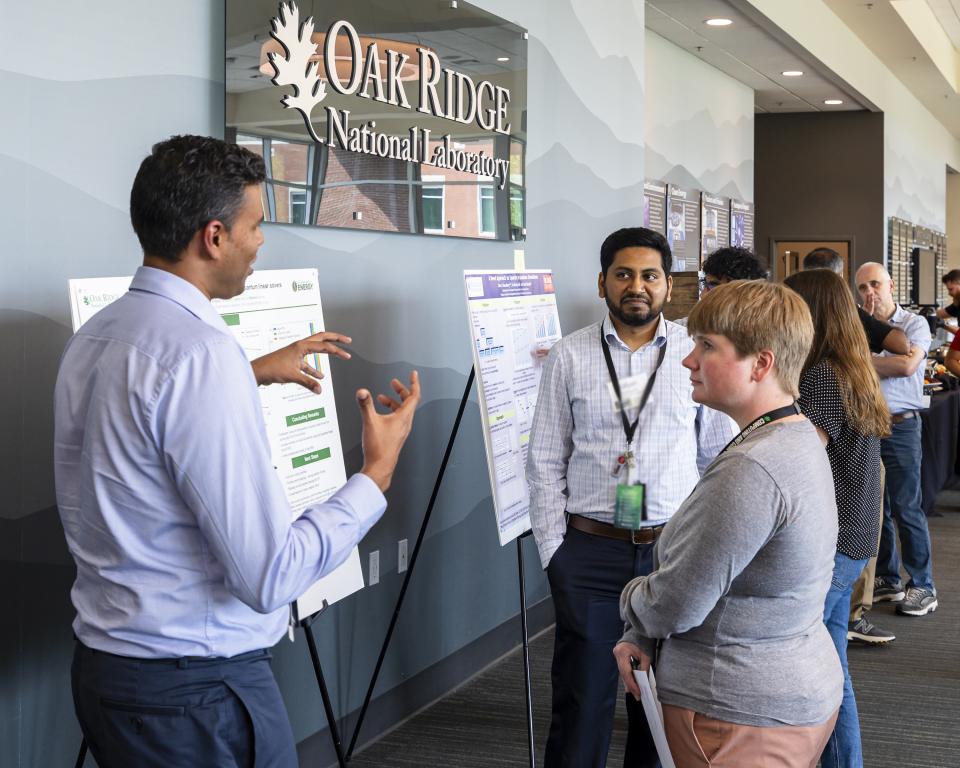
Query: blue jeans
x=843, y=750
x=901, y=454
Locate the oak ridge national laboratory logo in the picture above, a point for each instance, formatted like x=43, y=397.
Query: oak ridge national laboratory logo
x=295, y=67
x=441, y=92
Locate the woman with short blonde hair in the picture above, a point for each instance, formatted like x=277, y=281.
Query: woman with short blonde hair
x=747, y=672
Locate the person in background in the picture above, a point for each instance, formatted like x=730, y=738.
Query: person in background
x=840, y=394
x=731, y=263
x=901, y=379
x=583, y=447
x=187, y=550
x=726, y=264
x=951, y=282
x=747, y=672
x=880, y=336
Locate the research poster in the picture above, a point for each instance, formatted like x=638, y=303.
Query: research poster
x=741, y=224
x=655, y=206
x=513, y=324
x=276, y=308
x=714, y=223
x=683, y=228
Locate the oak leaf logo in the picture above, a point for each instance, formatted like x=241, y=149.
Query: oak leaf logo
x=298, y=64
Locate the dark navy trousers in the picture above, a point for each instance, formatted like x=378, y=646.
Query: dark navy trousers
x=587, y=575
x=153, y=713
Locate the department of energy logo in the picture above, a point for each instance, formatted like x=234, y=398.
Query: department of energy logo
x=374, y=75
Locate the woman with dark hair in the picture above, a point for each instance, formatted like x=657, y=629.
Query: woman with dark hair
x=840, y=394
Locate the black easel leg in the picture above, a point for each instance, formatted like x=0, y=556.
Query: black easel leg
x=413, y=561
x=325, y=695
x=526, y=649
x=82, y=755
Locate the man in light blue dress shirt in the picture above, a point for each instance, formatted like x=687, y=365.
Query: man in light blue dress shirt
x=577, y=441
x=187, y=551
x=901, y=379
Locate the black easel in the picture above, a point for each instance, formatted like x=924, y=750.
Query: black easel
x=406, y=582
x=82, y=755
x=307, y=626
x=526, y=646
x=413, y=562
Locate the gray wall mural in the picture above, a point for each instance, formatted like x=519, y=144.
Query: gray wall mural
x=699, y=123
x=87, y=91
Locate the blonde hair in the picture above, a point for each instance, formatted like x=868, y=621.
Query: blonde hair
x=756, y=315
x=839, y=340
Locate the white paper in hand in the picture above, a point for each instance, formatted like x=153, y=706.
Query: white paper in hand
x=654, y=713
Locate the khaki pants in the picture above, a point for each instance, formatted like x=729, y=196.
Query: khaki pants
x=861, y=598
x=698, y=741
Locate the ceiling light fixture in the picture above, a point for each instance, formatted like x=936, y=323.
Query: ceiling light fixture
x=718, y=22
x=792, y=73
x=832, y=102
x=503, y=58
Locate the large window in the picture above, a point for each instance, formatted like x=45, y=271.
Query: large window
x=488, y=211
x=298, y=206
x=433, y=208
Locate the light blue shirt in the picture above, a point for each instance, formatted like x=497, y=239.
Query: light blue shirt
x=577, y=435
x=184, y=542
x=905, y=393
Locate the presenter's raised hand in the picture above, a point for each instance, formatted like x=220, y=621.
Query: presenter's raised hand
x=385, y=434
x=289, y=365
x=624, y=654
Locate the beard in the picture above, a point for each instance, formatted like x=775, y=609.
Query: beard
x=639, y=316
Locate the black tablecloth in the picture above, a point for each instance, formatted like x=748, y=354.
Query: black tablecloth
x=941, y=424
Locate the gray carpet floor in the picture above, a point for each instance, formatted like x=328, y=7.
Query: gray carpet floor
x=908, y=692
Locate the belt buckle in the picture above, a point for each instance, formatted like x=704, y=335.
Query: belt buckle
x=636, y=536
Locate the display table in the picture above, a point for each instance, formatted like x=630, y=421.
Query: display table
x=941, y=424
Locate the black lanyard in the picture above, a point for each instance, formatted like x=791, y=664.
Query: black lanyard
x=628, y=428
x=777, y=413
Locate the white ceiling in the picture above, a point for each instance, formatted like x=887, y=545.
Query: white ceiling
x=754, y=52
x=884, y=32
x=948, y=14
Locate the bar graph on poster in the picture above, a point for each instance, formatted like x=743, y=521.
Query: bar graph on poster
x=513, y=324
x=276, y=308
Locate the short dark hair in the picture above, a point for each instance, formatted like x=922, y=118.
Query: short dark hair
x=823, y=258
x=635, y=237
x=734, y=263
x=185, y=183
x=953, y=276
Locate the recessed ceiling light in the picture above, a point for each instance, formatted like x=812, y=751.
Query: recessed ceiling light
x=718, y=22
x=832, y=102
x=503, y=58
x=792, y=73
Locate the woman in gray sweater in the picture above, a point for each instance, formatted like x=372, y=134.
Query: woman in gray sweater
x=747, y=672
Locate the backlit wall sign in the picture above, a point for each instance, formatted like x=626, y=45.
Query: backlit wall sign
x=401, y=119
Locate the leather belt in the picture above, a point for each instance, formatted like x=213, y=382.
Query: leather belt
x=899, y=418
x=638, y=536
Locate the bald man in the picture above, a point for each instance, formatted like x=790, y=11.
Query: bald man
x=901, y=379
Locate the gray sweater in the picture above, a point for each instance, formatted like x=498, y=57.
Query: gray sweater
x=741, y=572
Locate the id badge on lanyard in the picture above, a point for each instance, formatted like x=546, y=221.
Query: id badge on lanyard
x=630, y=509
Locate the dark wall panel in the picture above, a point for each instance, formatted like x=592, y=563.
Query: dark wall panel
x=820, y=176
